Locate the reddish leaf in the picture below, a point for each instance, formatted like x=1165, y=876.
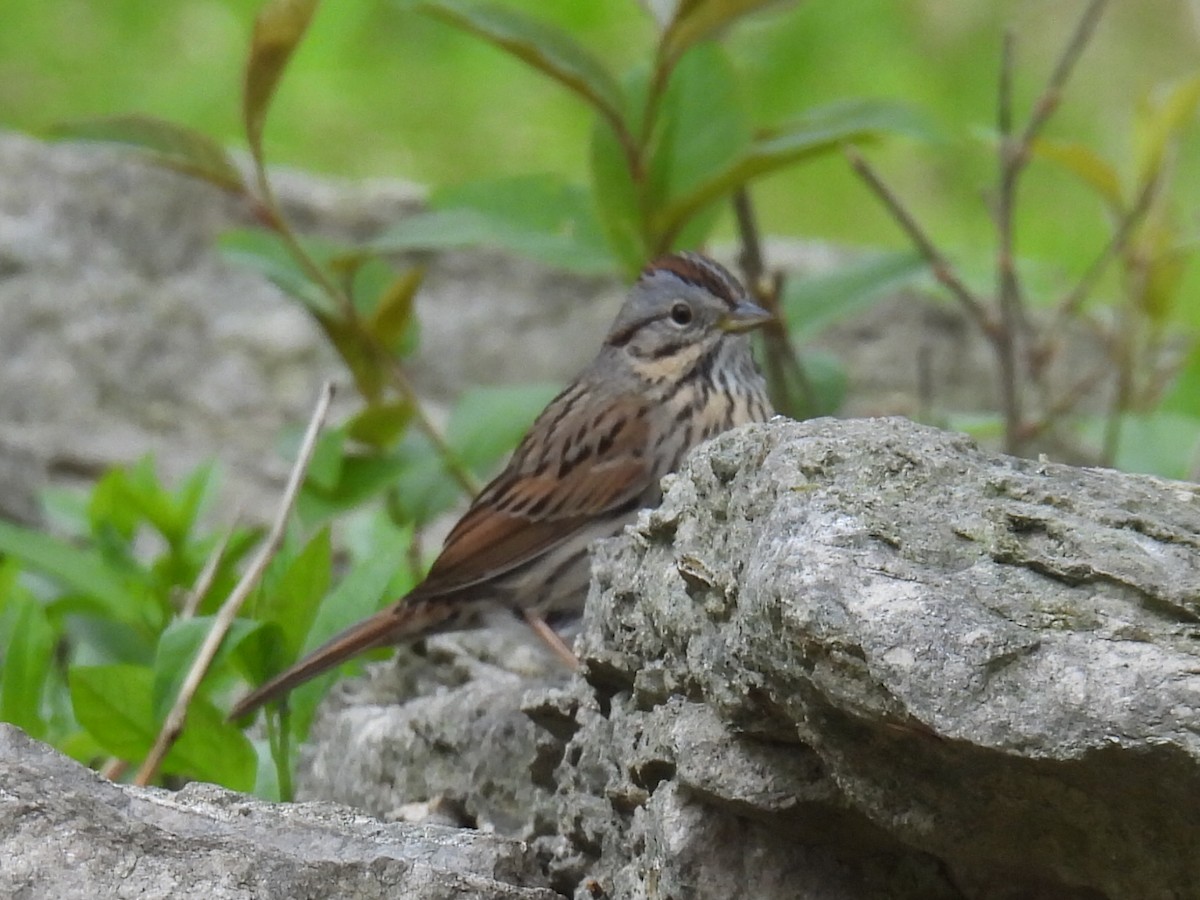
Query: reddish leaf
x=167, y=144
x=278, y=30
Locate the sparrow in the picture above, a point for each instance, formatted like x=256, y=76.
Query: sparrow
x=674, y=370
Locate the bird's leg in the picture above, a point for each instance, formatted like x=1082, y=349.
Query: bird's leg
x=553, y=641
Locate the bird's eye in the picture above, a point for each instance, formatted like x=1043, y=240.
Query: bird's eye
x=681, y=314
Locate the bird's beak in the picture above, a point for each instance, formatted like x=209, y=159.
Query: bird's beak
x=745, y=316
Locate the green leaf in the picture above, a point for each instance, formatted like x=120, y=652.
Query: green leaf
x=81, y=747
x=115, y=705
x=811, y=303
x=380, y=424
x=391, y=319
x=822, y=131
x=198, y=490
x=99, y=639
x=1164, y=262
x=542, y=46
x=1085, y=164
x=278, y=30
x=1161, y=121
x=358, y=595
x=24, y=663
x=1184, y=396
x=698, y=21
x=362, y=477
x=65, y=511
x=418, y=487
x=618, y=196
x=176, y=653
x=700, y=128
x=295, y=597
x=167, y=144
x=82, y=571
x=538, y=216
x=125, y=497
x=488, y=422
x=325, y=468
x=265, y=253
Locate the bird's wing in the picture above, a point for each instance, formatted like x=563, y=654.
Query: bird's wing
x=570, y=470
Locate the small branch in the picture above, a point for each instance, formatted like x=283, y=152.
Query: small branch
x=750, y=259
x=629, y=146
x=459, y=472
x=1050, y=97
x=783, y=364
x=114, y=768
x=1070, y=304
x=1014, y=155
x=1008, y=287
x=173, y=725
x=277, y=740
x=208, y=574
x=1065, y=403
x=941, y=267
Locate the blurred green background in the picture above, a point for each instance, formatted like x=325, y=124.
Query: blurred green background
x=377, y=90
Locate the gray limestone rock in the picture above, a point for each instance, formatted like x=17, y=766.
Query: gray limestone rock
x=855, y=660
x=870, y=650
x=440, y=736
x=846, y=660
x=67, y=834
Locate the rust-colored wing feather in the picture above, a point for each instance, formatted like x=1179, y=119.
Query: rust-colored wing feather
x=559, y=481
x=581, y=460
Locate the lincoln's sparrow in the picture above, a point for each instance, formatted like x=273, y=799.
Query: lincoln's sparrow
x=675, y=369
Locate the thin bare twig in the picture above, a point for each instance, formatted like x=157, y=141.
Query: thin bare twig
x=783, y=364
x=750, y=257
x=1049, y=100
x=941, y=267
x=1011, y=158
x=208, y=574
x=1014, y=154
x=1066, y=402
x=1128, y=223
x=173, y=725
x=114, y=768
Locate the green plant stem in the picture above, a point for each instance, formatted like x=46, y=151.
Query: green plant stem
x=278, y=223
x=1121, y=395
x=629, y=145
x=461, y=474
x=278, y=740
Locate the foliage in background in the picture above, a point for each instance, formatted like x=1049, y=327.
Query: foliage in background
x=1140, y=333
x=672, y=139
x=97, y=628
x=384, y=91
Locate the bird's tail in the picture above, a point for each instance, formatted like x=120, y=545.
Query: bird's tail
x=406, y=620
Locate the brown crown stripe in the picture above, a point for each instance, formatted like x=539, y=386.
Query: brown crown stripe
x=700, y=271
